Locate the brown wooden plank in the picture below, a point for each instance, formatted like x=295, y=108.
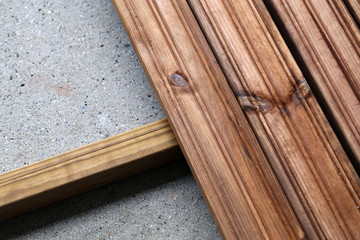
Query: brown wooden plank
x=239, y=186
x=327, y=42
x=314, y=171
x=354, y=8
x=85, y=168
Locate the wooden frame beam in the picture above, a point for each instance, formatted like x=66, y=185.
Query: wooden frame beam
x=86, y=168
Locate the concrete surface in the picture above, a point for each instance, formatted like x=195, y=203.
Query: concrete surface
x=68, y=77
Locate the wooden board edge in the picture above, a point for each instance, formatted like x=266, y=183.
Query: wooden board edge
x=71, y=173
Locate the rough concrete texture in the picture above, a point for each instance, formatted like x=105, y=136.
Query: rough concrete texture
x=68, y=77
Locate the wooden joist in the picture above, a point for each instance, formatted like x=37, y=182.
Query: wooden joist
x=326, y=41
x=85, y=168
x=310, y=163
x=235, y=178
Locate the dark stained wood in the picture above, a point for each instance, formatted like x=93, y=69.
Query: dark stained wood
x=236, y=180
x=85, y=168
x=309, y=161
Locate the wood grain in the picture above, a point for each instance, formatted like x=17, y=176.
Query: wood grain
x=327, y=42
x=85, y=168
x=354, y=8
x=238, y=184
x=313, y=169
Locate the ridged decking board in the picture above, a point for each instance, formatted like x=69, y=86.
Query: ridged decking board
x=354, y=8
x=327, y=41
x=80, y=170
x=236, y=180
x=273, y=169
x=315, y=173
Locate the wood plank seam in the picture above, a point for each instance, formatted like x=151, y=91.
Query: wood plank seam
x=203, y=113
x=328, y=62
x=256, y=56
x=354, y=8
x=250, y=100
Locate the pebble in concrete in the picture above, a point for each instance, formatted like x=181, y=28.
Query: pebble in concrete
x=69, y=76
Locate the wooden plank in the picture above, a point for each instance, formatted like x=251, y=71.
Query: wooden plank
x=86, y=168
x=313, y=169
x=235, y=178
x=327, y=42
x=354, y=8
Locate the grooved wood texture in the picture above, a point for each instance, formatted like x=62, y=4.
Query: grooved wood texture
x=88, y=167
x=328, y=43
x=354, y=8
x=238, y=184
x=314, y=171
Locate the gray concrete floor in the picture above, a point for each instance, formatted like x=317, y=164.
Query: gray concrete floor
x=68, y=77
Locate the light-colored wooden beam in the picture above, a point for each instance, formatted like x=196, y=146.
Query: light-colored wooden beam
x=309, y=161
x=235, y=178
x=85, y=168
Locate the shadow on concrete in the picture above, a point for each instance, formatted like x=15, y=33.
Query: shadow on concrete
x=79, y=204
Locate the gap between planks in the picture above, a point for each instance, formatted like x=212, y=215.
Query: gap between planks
x=86, y=168
x=77, y=184
x=313, y=169
x=316, y=174
x=241, y=190
x=354, y=8
x=329, y=55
